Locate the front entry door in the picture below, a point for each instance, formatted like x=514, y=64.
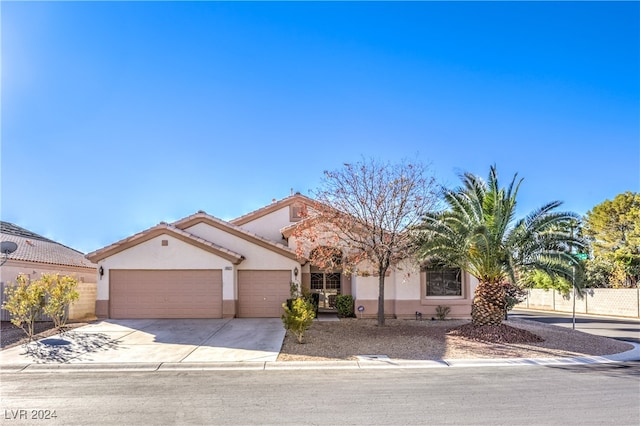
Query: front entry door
x=328, y=286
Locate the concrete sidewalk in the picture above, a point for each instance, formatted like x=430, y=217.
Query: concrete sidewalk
x=217, y=344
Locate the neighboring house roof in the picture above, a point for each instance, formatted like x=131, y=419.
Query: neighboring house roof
x=36, y=248
x=165, y=229
x=276, y=205
x=202, y=217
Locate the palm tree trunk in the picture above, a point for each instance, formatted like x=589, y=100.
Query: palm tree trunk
x=488, y=304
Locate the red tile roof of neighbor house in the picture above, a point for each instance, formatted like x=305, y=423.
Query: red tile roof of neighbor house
x=36, y=248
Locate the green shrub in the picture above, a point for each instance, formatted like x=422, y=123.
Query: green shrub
x=294, y=290
x=51, y=295
x=25, y=301
x=442, y=311
x=61, y=291
x=344, y=305
x=299, y=317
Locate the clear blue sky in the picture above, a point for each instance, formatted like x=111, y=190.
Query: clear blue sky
x=116, y=115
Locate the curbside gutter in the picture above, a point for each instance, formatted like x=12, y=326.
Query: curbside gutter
x=363, y=364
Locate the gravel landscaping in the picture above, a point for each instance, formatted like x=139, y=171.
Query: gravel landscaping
x=10, y=335
x=414, y=340
x=431, y=340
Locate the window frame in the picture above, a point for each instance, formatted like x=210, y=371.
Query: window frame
x=424, y=283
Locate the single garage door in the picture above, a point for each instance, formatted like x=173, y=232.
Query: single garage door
x=262, y=293
x=165, y=293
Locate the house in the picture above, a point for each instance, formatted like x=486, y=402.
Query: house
x=36, y=255
x=205, y=267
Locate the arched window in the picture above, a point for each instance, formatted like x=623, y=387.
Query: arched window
x=326, y=258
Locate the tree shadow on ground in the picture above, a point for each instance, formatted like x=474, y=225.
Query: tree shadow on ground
x=67, y=346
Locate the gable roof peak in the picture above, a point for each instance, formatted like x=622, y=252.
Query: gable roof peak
x=273, y=206
x=161, y=229
x=235, y=230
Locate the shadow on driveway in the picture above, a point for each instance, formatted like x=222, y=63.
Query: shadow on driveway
x=157, y=341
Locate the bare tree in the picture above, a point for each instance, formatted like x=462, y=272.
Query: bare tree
x=362, y=215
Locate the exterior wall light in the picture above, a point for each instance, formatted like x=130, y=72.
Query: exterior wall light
x=295, y=272
x=101, y=271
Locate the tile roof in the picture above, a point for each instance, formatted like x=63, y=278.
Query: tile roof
x=164, y=228
x=36, y=248
x=236, y=230
x=295, y=198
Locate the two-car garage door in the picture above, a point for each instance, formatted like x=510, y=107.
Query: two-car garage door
x=165, y=293
x=194, y=293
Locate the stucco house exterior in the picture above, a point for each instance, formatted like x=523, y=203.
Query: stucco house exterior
x=204, y=267
x=36, y=255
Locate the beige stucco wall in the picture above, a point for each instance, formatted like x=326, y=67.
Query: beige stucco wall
x=269, y=225
x=176, y=255
x=405, y=295
x=407, y=281
x=10, y=270
x=256, y=257
x=85, y=306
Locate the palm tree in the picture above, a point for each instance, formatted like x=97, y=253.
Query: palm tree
x=478, y=234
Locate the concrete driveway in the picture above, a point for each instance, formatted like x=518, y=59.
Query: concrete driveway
x=157, y=341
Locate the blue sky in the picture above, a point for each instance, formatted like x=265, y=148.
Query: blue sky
x=119, y=115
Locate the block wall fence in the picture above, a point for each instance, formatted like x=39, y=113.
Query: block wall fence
x=622, y=302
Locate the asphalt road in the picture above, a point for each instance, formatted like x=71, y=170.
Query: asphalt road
x=524, y=395
x=616, y=328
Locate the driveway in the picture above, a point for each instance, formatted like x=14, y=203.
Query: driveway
x=157, y=341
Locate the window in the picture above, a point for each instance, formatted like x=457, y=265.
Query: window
x=322, y=281
x=443, y=282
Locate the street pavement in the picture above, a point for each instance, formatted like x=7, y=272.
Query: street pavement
x=621, y=328
x=243, y=344
x=601, y=394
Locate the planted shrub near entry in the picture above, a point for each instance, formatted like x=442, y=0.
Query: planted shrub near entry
x=298, y=317
x=442, y=311
x=344, y=305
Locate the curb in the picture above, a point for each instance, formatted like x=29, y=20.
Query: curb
x=367, y=364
